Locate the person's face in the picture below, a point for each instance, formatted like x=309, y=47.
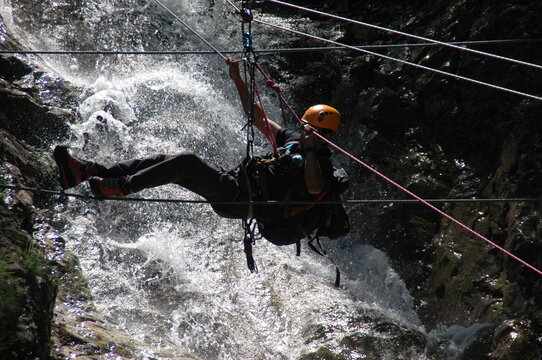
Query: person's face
x=327, y=133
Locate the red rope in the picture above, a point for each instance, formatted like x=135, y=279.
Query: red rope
x=344, y=152
x=270, y=83
x=268, y=132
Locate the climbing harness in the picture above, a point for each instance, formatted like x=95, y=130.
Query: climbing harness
x=251, y=225
x=256, y=179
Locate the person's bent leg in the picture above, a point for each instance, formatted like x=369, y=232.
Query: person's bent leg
x=126, y=167
x=185, y=169
x=126, y=177
x=191, y=172
x=73, y=170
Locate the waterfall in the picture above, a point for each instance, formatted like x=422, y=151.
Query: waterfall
x=174, y=275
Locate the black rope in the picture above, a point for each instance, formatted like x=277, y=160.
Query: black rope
x=319, y=249
x=249, y=227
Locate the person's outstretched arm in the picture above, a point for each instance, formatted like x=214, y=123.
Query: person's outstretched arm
x=259, y=117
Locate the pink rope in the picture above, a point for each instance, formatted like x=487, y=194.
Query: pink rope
x=276, y=87
x=417, y=37
x=452, y=219
x=413, y=64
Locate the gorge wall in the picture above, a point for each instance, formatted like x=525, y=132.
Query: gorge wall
x=440, y=137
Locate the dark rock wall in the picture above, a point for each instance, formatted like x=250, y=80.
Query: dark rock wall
x=439, y=137
x=27, y=286
x=445, y=138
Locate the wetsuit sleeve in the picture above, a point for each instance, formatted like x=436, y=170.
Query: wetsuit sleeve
x=285, y=136
x=327, y=169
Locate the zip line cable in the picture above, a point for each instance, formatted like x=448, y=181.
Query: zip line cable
x=270, y=202
x=397, y=32
x=355, y=48
x=423, y=67
x=257, y=51
x=189, y=28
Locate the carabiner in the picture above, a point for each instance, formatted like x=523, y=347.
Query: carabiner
x=247, y=40
x=246, y=15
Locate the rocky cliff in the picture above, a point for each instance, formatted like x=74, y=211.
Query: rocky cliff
x=440, y=137
x=446, y=138
x=46, y=310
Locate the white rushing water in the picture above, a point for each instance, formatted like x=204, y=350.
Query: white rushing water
x=175, y=275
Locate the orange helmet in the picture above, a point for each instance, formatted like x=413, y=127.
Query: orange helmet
x=323, y=116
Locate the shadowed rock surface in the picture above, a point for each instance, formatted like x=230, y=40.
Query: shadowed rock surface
x=439, y=137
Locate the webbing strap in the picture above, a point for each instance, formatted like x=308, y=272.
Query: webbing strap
x=322, y=252
x=249, y=239
x=243, y=166
x=249, y=224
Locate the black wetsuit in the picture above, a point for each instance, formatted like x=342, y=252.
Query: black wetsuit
x=218, y=185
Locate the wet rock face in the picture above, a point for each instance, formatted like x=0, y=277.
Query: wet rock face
x=446, y=138
x=24, y=115
x=27, y=286
x=46, y=310
x=381, y=340
x=35, y=106
x=27, y=289
x=439, y=137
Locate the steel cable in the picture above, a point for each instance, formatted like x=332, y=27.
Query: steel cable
x=270, y=202
x=190, y=28
x=409, y=63
x=258, y=51
x=417, y=37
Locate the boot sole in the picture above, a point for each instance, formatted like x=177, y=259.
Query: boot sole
x=98, y=194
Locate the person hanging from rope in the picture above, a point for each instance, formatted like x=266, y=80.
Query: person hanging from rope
x=300, y=171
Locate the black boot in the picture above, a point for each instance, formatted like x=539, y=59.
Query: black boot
x=72, y=170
